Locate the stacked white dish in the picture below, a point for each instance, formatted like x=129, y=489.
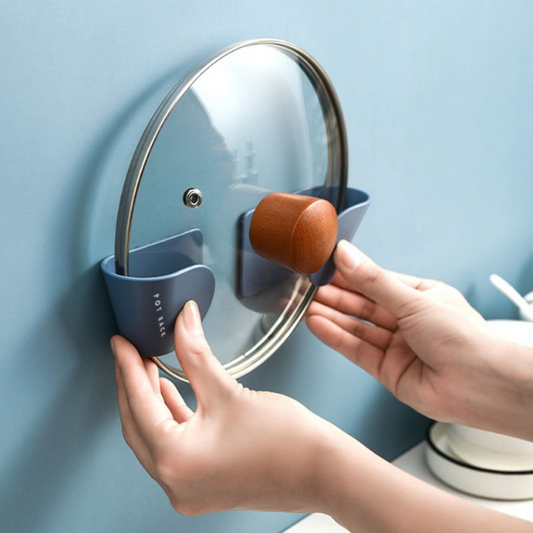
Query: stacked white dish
x=479, y=462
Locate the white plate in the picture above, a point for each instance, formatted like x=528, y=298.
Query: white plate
x=484, y=482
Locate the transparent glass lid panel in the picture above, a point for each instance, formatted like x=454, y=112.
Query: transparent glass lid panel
x=249, y=125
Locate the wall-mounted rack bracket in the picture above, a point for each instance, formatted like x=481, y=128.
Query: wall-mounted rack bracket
x=163, y=276
x=257, y=273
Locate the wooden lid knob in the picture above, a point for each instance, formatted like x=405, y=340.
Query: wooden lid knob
x=295, y=231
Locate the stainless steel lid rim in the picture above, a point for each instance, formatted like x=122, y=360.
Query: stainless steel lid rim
x=335, y=176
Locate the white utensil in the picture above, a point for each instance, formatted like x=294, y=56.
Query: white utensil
x=508, y=290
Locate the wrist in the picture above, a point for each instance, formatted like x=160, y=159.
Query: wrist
x=363, y=492
x=500, y=397
x=345, y=477
x=301, y=479
x=324, y=453
x=369, y=494
x=514, y=364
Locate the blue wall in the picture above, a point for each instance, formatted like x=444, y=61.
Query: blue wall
x=438, y=98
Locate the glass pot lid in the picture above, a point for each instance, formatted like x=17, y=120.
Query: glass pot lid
x=260, y=116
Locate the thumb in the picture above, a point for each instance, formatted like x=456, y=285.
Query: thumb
x=204, y=371
x=372, y=281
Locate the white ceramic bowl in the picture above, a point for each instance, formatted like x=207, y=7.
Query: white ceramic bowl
x=484, y=482
x=490, y=450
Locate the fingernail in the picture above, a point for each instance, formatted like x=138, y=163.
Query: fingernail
x=348, y=255
x=191, y=317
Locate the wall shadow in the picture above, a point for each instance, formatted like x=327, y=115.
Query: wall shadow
x=52, y=450
x=73, y=415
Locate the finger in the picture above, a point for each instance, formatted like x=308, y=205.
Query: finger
x=368, y=357
x=179, y=409
x=147, y=408
x=374, y=335
x=204, y=371
x=339, y=281
x=128, y=425
x=420, y=284
x=152, y=372
x=355, y=304
x=375, y=283
x=130, y=431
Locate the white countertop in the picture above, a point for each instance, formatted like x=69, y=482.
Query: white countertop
x=414, y=462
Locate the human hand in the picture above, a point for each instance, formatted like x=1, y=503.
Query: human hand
x=240, y=449
x=423, y=341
